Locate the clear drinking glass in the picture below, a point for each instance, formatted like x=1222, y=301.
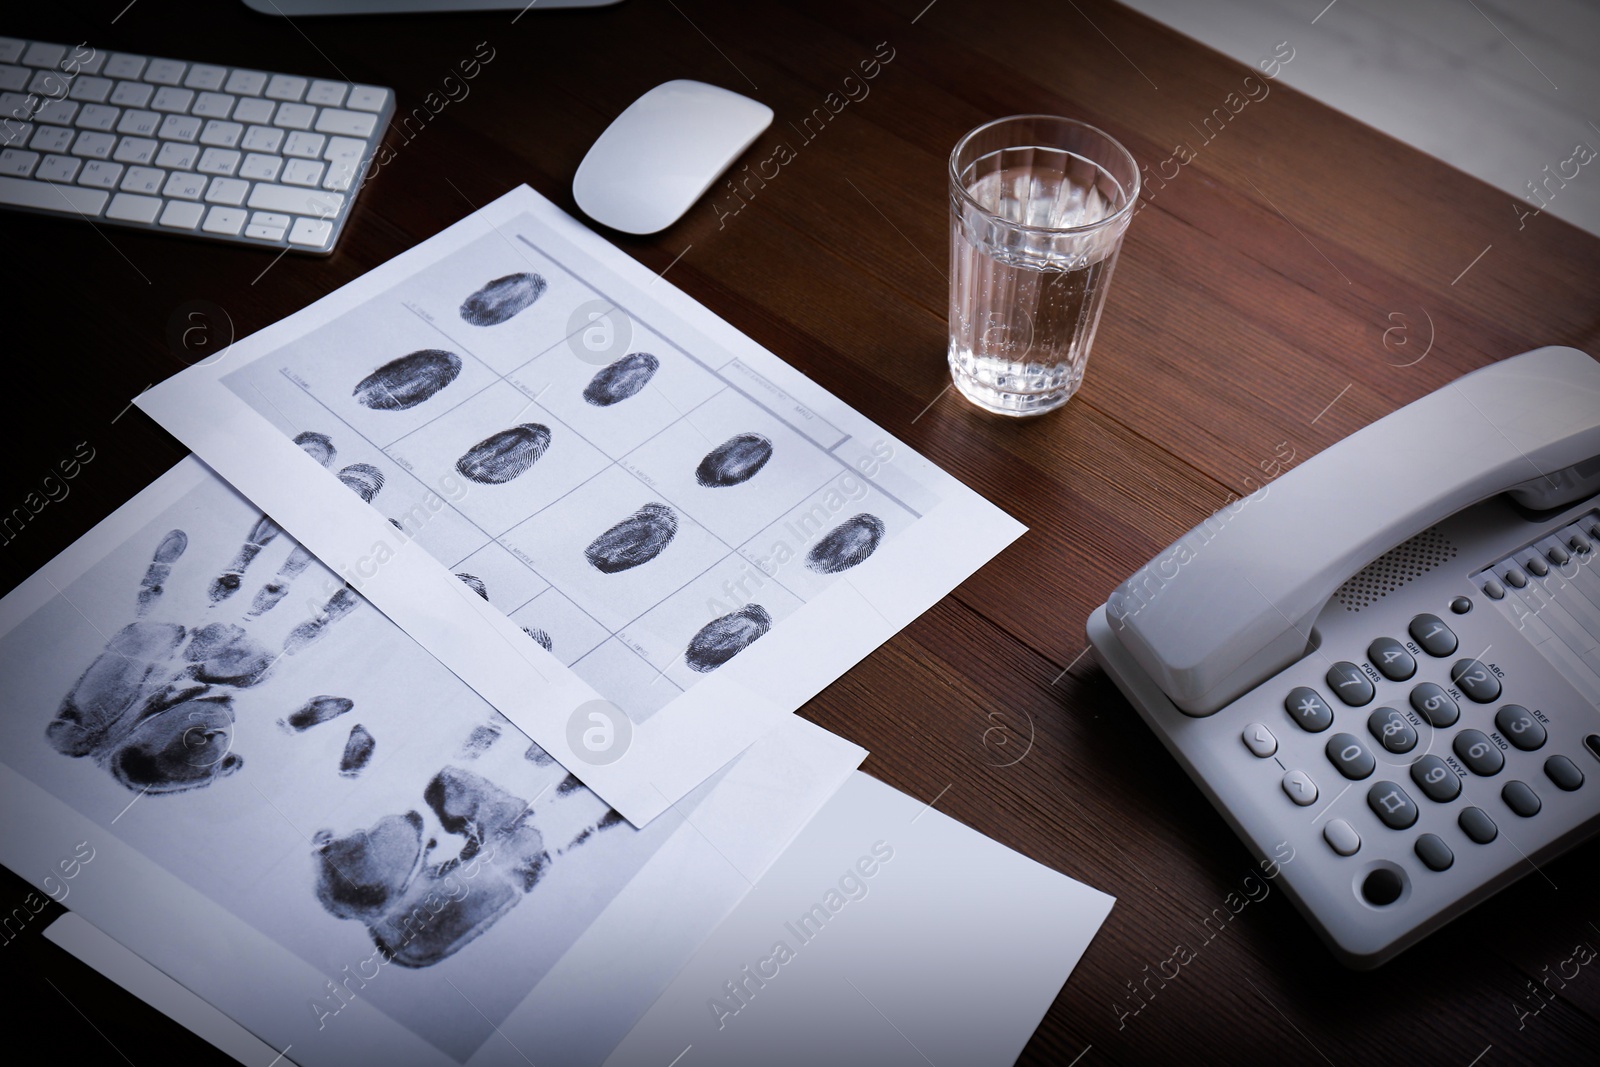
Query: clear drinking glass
x=1038, y=207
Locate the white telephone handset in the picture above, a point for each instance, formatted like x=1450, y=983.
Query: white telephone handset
x=1305, y=615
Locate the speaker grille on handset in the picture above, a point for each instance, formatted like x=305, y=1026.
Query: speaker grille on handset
x=1397, y=567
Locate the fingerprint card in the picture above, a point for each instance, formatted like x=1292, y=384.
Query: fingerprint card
x=263, y=786
x=515, y=416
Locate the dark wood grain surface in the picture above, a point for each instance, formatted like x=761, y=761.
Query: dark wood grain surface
x=1248, y=315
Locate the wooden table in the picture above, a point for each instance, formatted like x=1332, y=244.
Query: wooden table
x=1298, y=277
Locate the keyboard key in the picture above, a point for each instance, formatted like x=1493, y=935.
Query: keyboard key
x=265, y=233
x=222, y=161
x=1432, y=851
x=84, y=60
x=40, y=54
x=367, y=98
x=132, y=94
x=1308, y=709
x=326, y=94
x=303, y=145
x=259, y=167
x=49, y=84
x=172, y=99
x=295, y=116
x=267, y=225
x=94, y=145
x=1476, y=824
x=346, y=123
x=57, y=112
x=15, y=134
x=130, y=208
x=246, y=83
x=1391, y=804
x=1350, y=684
x=315, y=233
x=144, y=180
x=1475, y=680
x=17, y=106
x=98, y=117
x=1481, y=755
x=182, y=216
x=13, y=79
x=302, y=172
x=91, y=90
x=179, y=128
x=135, y=150
x=1259, y=740
x=1297, y=784
x=296, y=201
x=1517, y=725
x=261, y=139
x=11, y=49
x=122, y=65
x=51, y=139
x=1435, y=705
x=1392, y=730
x=201, y=76
x=221, y=134
x=229, y=191
x=164, y=72
x=1435, y=778
x=1392, y=659
x=257, y=111
x=1564, y=773
x=1521, y=799
x=228, y=220
x=1350, y=756
x=185, y=186
x=175, y=156
x=139, y=123
x=1433, y=635
x=285, y=87
x=100, y=174
x=1342, y=837
x=20, y=192
x=212, y=106
x=58, y=169
x=18, y=163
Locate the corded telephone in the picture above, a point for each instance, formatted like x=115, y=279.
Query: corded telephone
x=1390, y=655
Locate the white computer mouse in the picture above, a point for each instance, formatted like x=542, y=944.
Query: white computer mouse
x=662, y=152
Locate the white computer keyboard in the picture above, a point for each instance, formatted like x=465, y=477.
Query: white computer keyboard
x=225, y=153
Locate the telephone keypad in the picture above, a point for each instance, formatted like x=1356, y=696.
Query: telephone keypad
x=1476, y=824
x=1564, y=773
x=1391, y=657
x=1392, y=731
x=1432, y=851
x=1349, y=684
x=1435, y=705
x=1517, y=724
x=1475, y=680
x=1351, y=757
x=1480, y=754
x=1435, y=778
x=1393, y=805
x=1520, y=798
x=1308, y=709
x=1433, y=635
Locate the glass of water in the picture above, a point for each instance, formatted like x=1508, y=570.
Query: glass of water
x=1038, y=207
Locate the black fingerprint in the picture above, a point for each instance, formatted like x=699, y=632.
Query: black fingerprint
x=152, y=585
x=474, y=583
x=846, y=545
x=723, y=638
x=540, y=636
x=361, y=874
x=501, y=299
x=357, y=751
x=637, y=539
x=362, y=479
x=735, y=461
x=503, y=456
x=318, y=710
x=621, y=379
x=537, y=755
x=319, y=446
x=483, y=736
x=408, y=381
